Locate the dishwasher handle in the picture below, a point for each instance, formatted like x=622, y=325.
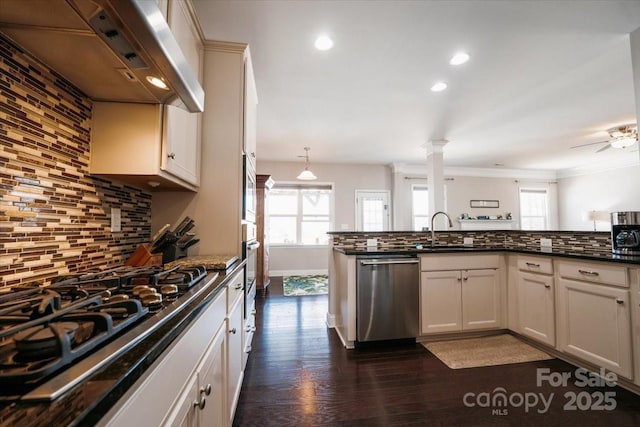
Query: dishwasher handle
x=390, y=262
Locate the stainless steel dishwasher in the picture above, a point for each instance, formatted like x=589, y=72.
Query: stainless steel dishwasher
x=387, y=297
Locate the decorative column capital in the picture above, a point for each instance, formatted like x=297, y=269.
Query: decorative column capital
x=435, y=146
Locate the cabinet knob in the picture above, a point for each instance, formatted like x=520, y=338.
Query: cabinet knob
x=206, y=390
x=547, y=286
x=200, y=404
x=253, y=311
x=238, y=286
x=619, y=301
x=232, y=331
x=459, y=279
x=171, y=155
x=465, y=278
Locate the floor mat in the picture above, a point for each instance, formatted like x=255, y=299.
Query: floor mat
x=306, y=285
x=485, y=351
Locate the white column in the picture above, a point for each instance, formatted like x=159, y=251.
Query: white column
x=635, y=68
x=435, y=178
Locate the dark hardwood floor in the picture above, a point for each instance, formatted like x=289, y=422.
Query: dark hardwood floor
x=299, y=374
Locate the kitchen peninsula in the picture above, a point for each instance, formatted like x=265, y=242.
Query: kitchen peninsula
x=585, y=298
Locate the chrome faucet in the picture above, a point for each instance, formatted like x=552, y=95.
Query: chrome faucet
x=433, y=232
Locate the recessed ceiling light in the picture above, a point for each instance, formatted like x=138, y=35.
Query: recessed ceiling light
x=439, y=87
x=323, y=43
x=157, y=82
x=459, y=58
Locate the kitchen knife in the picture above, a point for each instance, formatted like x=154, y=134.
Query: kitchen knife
x=159, y=234
x=183, y=227
x=190, y=243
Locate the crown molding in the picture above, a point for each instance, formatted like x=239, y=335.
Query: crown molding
x=223, y=46
x=415, y=169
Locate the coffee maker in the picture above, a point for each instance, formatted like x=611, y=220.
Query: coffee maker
x=625, y=233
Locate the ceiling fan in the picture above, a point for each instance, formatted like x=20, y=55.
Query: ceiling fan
x=621, y=137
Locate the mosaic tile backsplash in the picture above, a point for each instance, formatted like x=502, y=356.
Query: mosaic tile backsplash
x=570, y=241
x=55, y=217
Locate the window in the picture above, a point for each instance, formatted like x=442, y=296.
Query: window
x=419, y=207
x=299, y=215
x=534, y=211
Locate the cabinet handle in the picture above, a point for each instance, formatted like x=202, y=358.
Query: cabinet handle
x=248, y=349
x=253, y=154
x=206, y=390
x=547, y=286
x=238, y=286
x=200, y=404
x=533, y=264
x=171, y=155
x=619, y=301
x=589, y=273
x=232, y=331
x=253, y=311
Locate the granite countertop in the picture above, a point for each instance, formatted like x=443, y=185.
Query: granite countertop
x=88, y=402
x=610, y=257
x=211, y=262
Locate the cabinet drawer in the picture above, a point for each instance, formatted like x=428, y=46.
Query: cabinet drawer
x=535, y=264
x=235, y=290
x=437, y=262
x=596, y=273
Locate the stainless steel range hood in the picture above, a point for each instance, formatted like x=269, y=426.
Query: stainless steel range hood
x=107, y=48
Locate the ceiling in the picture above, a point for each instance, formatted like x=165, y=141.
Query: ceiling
x=543, y=77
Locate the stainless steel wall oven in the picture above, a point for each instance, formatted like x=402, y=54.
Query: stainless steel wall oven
x=249, y=190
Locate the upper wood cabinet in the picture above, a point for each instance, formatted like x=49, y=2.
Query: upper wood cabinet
x=151, y=146
x=154, y=147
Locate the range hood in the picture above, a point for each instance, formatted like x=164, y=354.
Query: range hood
x=109, y=49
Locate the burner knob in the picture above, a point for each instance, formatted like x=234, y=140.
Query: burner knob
x=151, y=300
x=169, y=291
x=106, y=295
x=138, y=289
x=148, y=291
x=118, y=298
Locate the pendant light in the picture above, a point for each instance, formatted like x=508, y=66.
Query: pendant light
x=306, y=174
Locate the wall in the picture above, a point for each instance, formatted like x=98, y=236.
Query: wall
x=617, y=190
x=460, y=189
x=346, y=178
x=55, y=216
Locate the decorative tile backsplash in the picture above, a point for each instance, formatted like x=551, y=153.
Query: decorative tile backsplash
x=586, y=242
x=55, y=217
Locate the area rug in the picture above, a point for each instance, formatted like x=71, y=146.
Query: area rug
x=306, y=285
x=485, y=351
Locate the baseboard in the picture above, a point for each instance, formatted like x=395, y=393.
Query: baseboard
x=281, y=273
x=331, y=320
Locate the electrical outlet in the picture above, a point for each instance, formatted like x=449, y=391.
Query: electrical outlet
x=545, y=243
x=372, y=243
x=468, y=241
x=116, y=220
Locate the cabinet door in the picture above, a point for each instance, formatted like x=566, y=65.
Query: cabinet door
x=250, y=111
x=536, y=308
x=184, y=412
x=181, y=144
x=234, y=358
x=594, y=324
x=480, y=299
x=211, y=380
x=440, y=301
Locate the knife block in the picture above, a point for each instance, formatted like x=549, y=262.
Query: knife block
x=172, y=253
x=143, y=256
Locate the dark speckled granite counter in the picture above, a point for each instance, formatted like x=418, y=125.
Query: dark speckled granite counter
x=608, y=257
x=87, y=403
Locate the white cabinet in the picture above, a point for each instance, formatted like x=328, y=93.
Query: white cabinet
x=202, y=402
x=594, y=315
x=235, y=347
x=151, y=146
x=455, y=298
x=536, y=301
x=249, y=324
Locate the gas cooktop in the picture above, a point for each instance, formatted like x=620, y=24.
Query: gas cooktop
x=46, y=329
